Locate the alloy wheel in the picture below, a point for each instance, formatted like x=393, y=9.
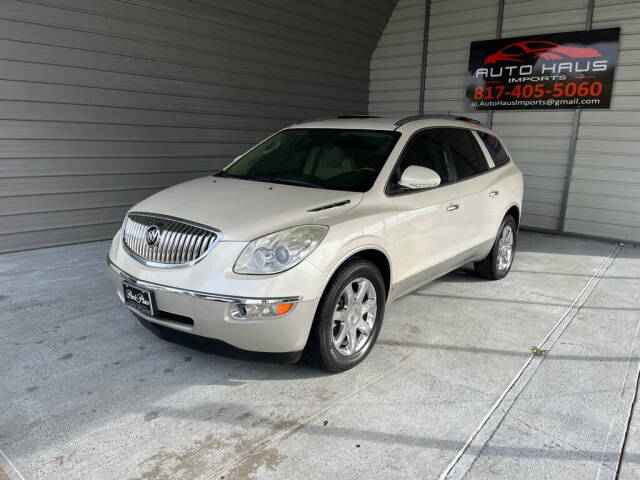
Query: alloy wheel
x=354, y=316
x=505, y=248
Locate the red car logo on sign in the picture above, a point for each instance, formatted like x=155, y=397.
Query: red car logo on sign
x=522, y=51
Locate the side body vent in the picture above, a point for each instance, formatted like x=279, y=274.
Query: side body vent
x=330, y=205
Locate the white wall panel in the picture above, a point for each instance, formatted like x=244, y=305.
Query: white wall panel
x=604, y=195
x=453, y=26
x=395, y=89
x=540, y=139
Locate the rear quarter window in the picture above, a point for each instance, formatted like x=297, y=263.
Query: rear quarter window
x=468, y=160
x=495, y=148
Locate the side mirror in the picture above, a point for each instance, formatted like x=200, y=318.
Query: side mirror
x=416, y=177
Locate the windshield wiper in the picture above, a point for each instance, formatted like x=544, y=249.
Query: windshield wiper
x=223, y=174
x=270, y=179
x=301, y=183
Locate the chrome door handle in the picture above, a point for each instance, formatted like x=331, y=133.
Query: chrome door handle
x=452, y=207
x=495, y=193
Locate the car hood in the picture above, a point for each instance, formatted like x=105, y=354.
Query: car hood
x=243, y=210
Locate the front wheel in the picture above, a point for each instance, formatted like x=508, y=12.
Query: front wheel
x=348, y=318
x=497, y=264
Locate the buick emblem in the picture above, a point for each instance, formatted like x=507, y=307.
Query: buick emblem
x=152, y=235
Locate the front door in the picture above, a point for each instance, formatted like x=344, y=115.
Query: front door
x=425, y=232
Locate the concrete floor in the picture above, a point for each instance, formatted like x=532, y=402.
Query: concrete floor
x=450, y=390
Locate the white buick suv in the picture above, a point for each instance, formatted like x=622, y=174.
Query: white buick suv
x=299, y=244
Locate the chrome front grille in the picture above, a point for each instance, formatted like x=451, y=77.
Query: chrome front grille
x=166, y=241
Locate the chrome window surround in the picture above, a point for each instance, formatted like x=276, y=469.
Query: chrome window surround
x=114, y=269
x=149, y=263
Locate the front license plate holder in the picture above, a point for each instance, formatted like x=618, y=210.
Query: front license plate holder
x=139, y=299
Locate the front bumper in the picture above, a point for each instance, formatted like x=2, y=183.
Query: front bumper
x=204, y=314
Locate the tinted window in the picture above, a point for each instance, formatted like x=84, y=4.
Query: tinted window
x=464, y=153
x=426, y=149
x=335, y=159
x=497, y=152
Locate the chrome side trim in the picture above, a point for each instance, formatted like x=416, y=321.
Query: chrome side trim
x=114, y=269
x=161, y=264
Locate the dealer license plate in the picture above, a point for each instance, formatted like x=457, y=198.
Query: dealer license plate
x=140, y=299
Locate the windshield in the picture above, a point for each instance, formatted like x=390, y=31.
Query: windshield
x=348, y=160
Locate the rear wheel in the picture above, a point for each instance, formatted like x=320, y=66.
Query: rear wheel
x=497, y=264
x=348, y=318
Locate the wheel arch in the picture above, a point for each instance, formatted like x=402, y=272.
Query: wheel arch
x=514, y=211
x=373, y=253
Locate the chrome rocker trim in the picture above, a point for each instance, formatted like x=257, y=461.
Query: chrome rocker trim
x=114, y=269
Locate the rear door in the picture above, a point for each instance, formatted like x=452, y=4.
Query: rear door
x=500, y=193
x=474, y=183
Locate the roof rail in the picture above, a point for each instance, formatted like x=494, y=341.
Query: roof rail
x=334, y=117
x=461, y=118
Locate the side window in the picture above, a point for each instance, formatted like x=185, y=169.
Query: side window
x=464, y=152
x=426, y=149
x=496, y=150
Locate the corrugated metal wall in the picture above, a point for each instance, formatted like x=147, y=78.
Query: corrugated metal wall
x=540, y=140
x=604, y=197
x=394, y=87
x=104, y=102
x=453, y=25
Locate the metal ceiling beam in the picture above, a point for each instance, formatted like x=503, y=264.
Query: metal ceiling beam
x=575, y=128
x=498, y=35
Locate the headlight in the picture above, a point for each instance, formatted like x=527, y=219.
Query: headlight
x=279, y=251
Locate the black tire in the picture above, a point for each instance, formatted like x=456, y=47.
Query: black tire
x=320, y=349
x=488, y=267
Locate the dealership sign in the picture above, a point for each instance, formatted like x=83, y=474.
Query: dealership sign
x=559, y=70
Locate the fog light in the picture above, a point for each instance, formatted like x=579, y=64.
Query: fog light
x=238, y=311
x=251, y=311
